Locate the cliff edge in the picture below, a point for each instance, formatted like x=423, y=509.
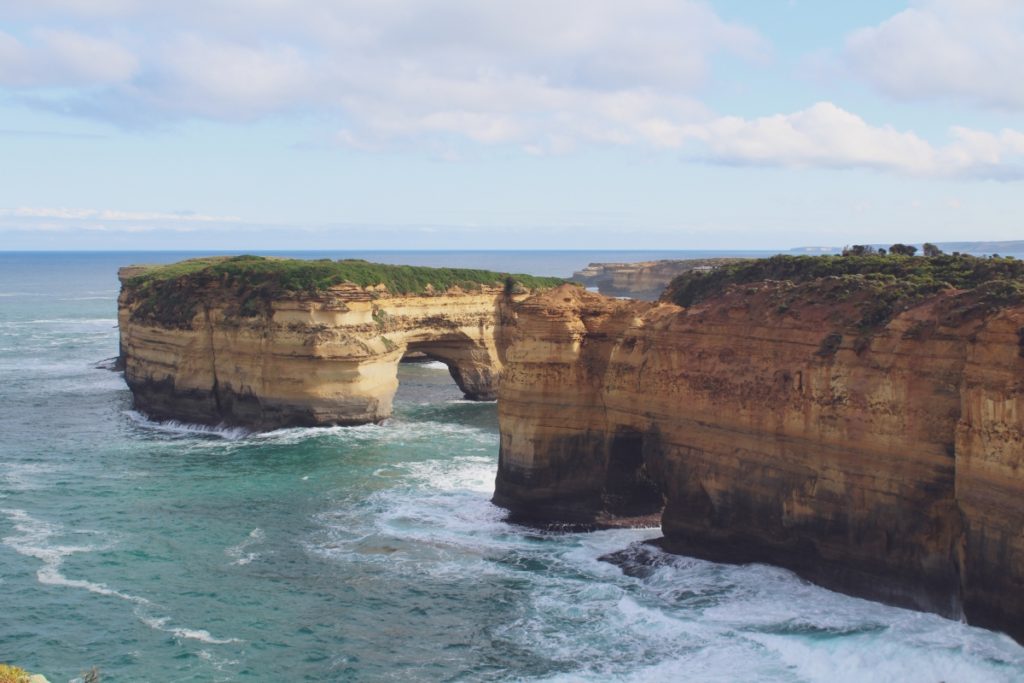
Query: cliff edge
x=859, y=420
x=268, y=343
x=644, y=280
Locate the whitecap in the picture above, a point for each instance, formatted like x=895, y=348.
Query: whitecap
x=855, y=659
x=238, y=552
x=200, y=634
x=73, y=321
x=24, y=476
x=390, y=431
x=188, y=429
x=467, y=473
x=34, y=540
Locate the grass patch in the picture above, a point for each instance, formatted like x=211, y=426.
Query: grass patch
x=12, y=674
x=877, y=286
x=170, y=294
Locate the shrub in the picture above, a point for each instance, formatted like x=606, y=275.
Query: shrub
x=12, y=674
x=861, y=250
x=903, y=249
x=171, y=294
x=881, y=285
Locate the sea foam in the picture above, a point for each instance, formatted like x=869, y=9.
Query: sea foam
x=238, y=552
x=34, y=539
x=177, y=428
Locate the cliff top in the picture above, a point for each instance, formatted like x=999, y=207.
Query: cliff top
x=665, y=268
x=298, y=275
x=169, y=294
x=874, y=287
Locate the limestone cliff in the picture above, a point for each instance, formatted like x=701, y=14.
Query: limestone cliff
x=874, y=448
x=644, y=280
x=216, y=346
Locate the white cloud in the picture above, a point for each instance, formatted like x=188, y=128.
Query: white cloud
x=74, y=214
x=826, y=135
x=964, y=49
x=64, y=221
x=86, y=7
x=199, y=76
x=544, y=74
x=63, y=58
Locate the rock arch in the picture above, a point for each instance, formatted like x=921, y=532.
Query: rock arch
x=326, y=359
x=473, y=363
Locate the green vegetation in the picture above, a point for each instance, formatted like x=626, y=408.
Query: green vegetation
x=902, y=250
x=170, y=294
x=877, y=286
x=12, y=674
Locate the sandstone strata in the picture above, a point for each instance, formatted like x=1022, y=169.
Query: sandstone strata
x=644, y=280
x=307, y=359
x=885, y=464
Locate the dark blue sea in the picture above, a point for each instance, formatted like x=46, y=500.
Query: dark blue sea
x=169, y=552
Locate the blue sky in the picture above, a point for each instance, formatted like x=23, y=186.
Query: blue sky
x=272, y=124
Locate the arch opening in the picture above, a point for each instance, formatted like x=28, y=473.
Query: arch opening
x=470, y=364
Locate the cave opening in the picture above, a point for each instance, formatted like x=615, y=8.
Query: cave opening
x=628, y=488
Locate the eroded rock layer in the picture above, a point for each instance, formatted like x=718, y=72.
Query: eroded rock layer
x=882, y=462
x=644, y=280
x=304, y=359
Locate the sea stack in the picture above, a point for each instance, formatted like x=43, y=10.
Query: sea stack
x=267, y=343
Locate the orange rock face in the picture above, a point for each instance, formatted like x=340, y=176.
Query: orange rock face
x=882, y=463
x=329, y=358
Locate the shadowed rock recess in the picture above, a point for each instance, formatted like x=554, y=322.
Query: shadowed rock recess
x=859, y=420
x=269, y=343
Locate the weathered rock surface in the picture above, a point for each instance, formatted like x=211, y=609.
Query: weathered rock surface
x=328, y=358
x=643, y=280
x=886, y=465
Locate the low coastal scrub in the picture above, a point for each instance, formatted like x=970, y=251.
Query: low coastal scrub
x=170, y=294
x=877, y=286
x=12, y=674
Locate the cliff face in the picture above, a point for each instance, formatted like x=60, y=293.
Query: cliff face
x=309, y=359
x=885, y=464
x=644, y=280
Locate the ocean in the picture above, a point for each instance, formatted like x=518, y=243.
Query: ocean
x=169, y=552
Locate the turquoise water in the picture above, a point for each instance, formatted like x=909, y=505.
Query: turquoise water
x=163, y=552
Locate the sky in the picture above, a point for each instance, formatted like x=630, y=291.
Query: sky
x=535, y=124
